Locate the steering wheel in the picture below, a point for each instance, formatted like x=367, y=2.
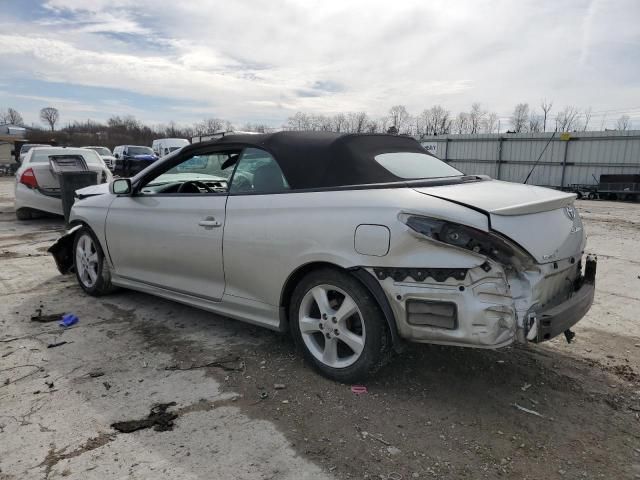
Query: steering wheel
x=193, y=185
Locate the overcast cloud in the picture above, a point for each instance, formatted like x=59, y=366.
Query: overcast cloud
x=263, y=61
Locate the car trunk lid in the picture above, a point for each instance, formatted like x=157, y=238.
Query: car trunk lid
x=541, y=220
x=48, y=173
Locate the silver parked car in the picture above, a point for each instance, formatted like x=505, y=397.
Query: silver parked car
x=106, y=155
x=353, y=243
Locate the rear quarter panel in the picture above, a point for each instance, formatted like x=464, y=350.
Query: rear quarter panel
x=268, y=237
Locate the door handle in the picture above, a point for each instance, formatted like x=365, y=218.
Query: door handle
x=209, y=223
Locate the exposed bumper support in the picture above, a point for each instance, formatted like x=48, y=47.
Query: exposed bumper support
x=556, y=320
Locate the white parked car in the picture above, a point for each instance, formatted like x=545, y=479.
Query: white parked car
x=37, y=186
x=106, y=155
x=353, y=243
x=25, y=147
x=164, y=146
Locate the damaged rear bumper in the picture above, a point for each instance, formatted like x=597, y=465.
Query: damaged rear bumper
x=485, y=307
x=553, y=321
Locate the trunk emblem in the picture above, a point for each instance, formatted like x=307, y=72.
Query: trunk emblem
x=570, y=212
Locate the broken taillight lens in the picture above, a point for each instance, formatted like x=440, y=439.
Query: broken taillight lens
x=489, y=244
x=28, y=178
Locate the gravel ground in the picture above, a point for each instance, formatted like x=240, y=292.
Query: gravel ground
x=555, y=410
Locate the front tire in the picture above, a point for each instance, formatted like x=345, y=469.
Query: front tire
x=92, y=272
x=339, y=326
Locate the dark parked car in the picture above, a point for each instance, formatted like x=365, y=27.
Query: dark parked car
x=131, y=159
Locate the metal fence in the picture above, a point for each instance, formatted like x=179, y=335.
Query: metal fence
x=569, y=158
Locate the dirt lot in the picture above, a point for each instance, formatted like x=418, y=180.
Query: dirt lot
x=434, y=412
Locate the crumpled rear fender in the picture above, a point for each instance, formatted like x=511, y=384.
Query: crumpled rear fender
x=62, y=250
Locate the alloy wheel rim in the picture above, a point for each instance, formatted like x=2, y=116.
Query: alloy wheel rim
x=87, y=261
x=331, y=325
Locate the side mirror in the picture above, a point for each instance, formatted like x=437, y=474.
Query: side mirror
x=120, y=186
x=13, y=153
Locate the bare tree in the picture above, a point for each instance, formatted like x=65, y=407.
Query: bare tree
x=255, y=127
x=520, y=117
x=476, y=117
x=545, y=105
x=433, y=121
x=568, y=119
x=535, y=122
x=399, y=118
x=209, y=125
x=357, y=122
x=491, y=124
x=587, y=119
x=339, y=123
x=623, y=123
x=462, y=124
x=11, y=116
x=50, y=115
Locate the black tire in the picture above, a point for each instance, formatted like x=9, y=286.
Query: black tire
x=377, y=341
x=102, y=284
x=23, y=214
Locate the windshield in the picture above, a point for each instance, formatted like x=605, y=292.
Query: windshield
x=139, y=151
x=101, y=150
x=214, y=166
x=415, y=165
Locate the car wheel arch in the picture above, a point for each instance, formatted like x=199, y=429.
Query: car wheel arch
x=361, y=274
x=62, y=249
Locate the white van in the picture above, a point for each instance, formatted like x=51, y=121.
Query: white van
x=162, y=146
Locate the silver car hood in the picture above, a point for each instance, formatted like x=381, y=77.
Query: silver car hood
x=541, y=220
x=100, y=189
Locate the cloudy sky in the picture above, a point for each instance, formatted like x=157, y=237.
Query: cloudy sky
x=261, y=61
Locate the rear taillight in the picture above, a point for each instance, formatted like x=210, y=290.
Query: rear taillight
x=28, y=178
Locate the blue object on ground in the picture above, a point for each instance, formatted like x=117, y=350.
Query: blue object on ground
x=68, y=319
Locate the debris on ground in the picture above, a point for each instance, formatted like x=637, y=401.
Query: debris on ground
x=96, y=373
x=68, y=319
x=107, y=385
x=51, y=317
x=223, y=364
x=525, y=387
x=158, y=418
x=359, y=389
x=56, y=344
x=526, y=410
x=279, y=386
x=393, y=450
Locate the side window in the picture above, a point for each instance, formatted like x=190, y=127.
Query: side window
x=258, y=172
x=196, y=174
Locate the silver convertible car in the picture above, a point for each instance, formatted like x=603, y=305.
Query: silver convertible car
x=352, y=243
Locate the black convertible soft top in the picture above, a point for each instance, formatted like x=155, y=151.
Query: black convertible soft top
x=324, y=159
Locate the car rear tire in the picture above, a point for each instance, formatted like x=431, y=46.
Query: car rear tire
x=339, y=326
x=23, y=214
x=92, y=272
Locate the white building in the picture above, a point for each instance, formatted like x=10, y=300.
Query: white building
x=8, y=135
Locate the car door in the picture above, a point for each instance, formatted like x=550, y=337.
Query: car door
x=258, y=239
x=168, y=233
